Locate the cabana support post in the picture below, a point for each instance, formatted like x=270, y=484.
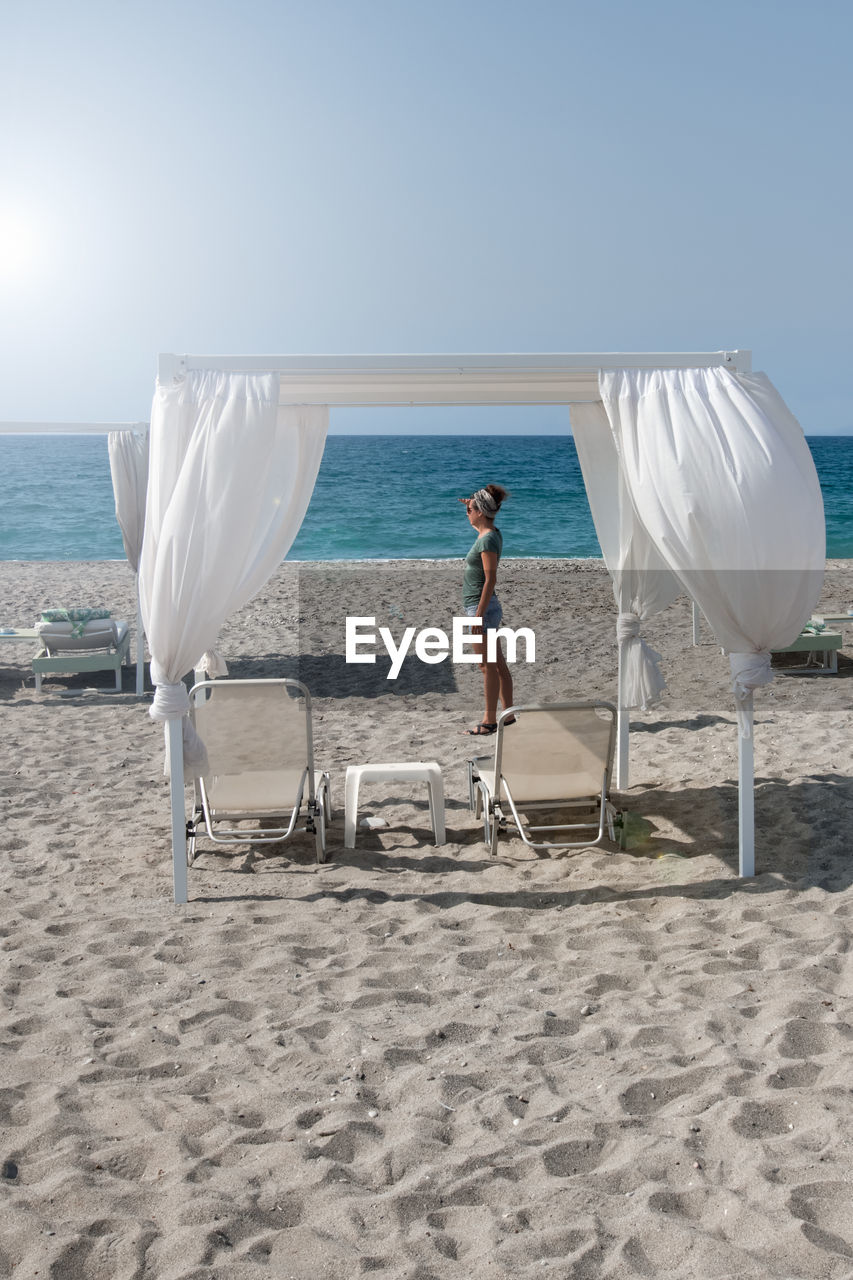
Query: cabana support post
x=623, y=723
x=175, y=752
x=746, y=793
x=140, y=644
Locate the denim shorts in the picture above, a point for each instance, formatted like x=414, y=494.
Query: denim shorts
x=492, y=616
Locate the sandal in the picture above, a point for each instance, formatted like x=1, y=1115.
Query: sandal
x=483, y=730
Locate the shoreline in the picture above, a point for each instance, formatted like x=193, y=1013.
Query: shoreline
x=834, y=562
x=348, y=560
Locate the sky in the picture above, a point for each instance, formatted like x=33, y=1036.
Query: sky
x=357, y=176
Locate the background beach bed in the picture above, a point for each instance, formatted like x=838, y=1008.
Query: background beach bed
x=412, y=1058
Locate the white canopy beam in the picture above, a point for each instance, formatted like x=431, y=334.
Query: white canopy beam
x=471, y=379
x=68, y=428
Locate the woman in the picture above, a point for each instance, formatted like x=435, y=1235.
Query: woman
x=480, y=601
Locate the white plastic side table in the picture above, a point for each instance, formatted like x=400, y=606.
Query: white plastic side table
x=428, y=772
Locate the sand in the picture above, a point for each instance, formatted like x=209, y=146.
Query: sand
x=415, y=1061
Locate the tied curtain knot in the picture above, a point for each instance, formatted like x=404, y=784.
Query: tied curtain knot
x=643, y=682
x=627, y=627
x=749, y=671
x=171, y=702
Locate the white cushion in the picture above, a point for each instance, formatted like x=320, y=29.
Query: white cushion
x=100, y=633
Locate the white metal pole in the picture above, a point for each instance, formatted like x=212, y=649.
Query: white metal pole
x=696, y=622
x=140, y=644
x=622, y=726
x=175, y=748
x=746, y=793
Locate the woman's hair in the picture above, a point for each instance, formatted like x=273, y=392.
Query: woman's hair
x=488, y=500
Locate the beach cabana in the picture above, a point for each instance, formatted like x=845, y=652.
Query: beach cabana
x=128, y=450
x=699, y=480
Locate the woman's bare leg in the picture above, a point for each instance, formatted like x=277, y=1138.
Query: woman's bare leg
x=491, y=686
x=504, y=679
x=497, y=683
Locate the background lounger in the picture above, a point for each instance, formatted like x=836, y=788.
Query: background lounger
x=101, y=645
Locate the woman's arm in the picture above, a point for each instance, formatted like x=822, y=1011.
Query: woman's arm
x=490, y=568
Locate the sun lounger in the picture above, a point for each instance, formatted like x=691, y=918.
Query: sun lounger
x=260, y=754
x=68, y=648
x=820, y=647
x=555, y=756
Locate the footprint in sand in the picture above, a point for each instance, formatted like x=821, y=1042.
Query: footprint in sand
x=653, y=1094
x=824, y=1210
x=805, y=1038
x=570, y=1158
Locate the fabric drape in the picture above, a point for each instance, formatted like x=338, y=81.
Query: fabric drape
x=642, y=582
x=128, y=452
x=721, y=478
x=231, y=476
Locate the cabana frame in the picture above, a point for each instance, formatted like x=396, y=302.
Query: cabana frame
x=68, y=428
x=354, y=381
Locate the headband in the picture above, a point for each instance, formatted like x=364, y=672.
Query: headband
x=485, y=503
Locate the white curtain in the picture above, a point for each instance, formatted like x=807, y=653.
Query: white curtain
x=642, y=583
x=231, y=476
x=721, y=477
x=129, y=470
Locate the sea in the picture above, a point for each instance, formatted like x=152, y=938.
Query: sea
x=377, y=497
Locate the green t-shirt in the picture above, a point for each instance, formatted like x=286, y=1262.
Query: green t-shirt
x=475, y=574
